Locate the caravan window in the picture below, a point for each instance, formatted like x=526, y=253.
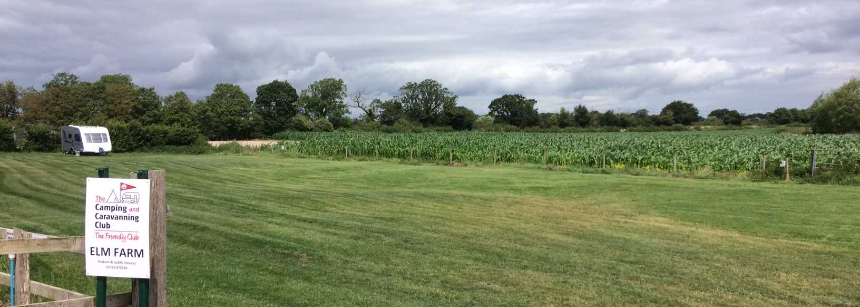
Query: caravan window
x=96, y=138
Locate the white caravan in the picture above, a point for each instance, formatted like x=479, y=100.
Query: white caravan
x=85, y=139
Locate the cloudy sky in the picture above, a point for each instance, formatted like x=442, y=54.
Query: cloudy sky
x=621, y=55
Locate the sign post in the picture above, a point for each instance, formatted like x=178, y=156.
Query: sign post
x=117, y=230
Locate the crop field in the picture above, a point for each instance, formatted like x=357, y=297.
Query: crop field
x=718, y=151
x=265, y=230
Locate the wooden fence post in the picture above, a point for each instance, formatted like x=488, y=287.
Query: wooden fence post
x=157, y=286
x=763, y=165
x=812, y=163
x=675, y=162
x=788, y=170
x=377, y=151
x=410, y=152
x=604, y=159
x=544, y=157
x=495, y=155
x=450, y=155
x=22, y=272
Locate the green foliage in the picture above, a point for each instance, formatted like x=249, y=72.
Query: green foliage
x=461, y=118
x=42, y=138
x=323, y=125
x=133, y=136
x=484, y=122
x=838, y=111
x=226, y=114
x=62, y=79
x=681, y=112
x=514, y=110
x=9, y=100
x=425, y=102
x=325, y=99
x=7, y=136
x=728, y=117
x=276, y=103
x=392, y=111
x=581, y=116
x=179, y=110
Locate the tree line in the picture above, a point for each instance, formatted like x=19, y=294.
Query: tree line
x=229, y=113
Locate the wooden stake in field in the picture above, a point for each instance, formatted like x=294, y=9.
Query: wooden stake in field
x=22, y=272
x=812, y=162
x=604, y=159
x=675, y=163
x=788, y=170
x=763, y=165
x=377, y=151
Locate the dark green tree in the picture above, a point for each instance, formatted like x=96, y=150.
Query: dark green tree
x=226, y=114
x=325, y=99
x=837, y=111
x=565, y=119
x=581, y=116
x=391, y=112
x=276, y=103
x=461, y=118
x=425, y=102
x=179, y=110
x=514, y=110
x=681, y=112
x=10, y=106
x=62, y=79
x=147, y=106
x=780, y=116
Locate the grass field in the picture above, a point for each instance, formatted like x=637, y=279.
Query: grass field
x=274, y=231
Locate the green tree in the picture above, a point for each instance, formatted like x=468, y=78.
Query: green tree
x=425, y=102
x=780, y=116
x=729, y=117
x=514, y=110
x=325, y=99
x=276, y=103
x=62, y=79
x=7, y=138
x=581, y=116
x=838, y=111
x=179, y=110
x=565, y=119
x=681, y=112
x=226, y=114
x=10, y=106
x=461, y=118
x=391, y=112
x=76, y=103
x=609, y=119
x=147, y=106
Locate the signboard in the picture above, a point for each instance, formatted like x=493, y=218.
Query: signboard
x=117, y=227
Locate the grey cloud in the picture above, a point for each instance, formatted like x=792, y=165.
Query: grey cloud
x=742, y=54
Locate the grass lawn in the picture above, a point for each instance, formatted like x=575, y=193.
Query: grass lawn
x=274, y=231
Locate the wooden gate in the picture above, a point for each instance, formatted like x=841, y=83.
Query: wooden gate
x=23, y=243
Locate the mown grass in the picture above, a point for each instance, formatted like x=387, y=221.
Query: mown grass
x=274, y=231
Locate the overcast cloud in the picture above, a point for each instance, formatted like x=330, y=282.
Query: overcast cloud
x=623, y=55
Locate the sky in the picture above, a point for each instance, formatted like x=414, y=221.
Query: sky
x=623, y=55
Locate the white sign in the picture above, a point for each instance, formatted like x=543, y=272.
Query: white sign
x=117, y=227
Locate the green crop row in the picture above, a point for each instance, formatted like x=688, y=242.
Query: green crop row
x=719, y=151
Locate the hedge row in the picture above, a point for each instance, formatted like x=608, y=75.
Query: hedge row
x=133, y=136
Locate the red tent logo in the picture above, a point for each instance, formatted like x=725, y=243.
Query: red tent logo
x=124, y=186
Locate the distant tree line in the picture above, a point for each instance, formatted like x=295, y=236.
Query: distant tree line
x=228, y=112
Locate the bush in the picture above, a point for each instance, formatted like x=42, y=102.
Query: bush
x=404, y=125
x=323, y=125
x=301, y=123
x=132, y=136
x=7, y=136
x=367, y=126
x=838, y=111
x=42, y=138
